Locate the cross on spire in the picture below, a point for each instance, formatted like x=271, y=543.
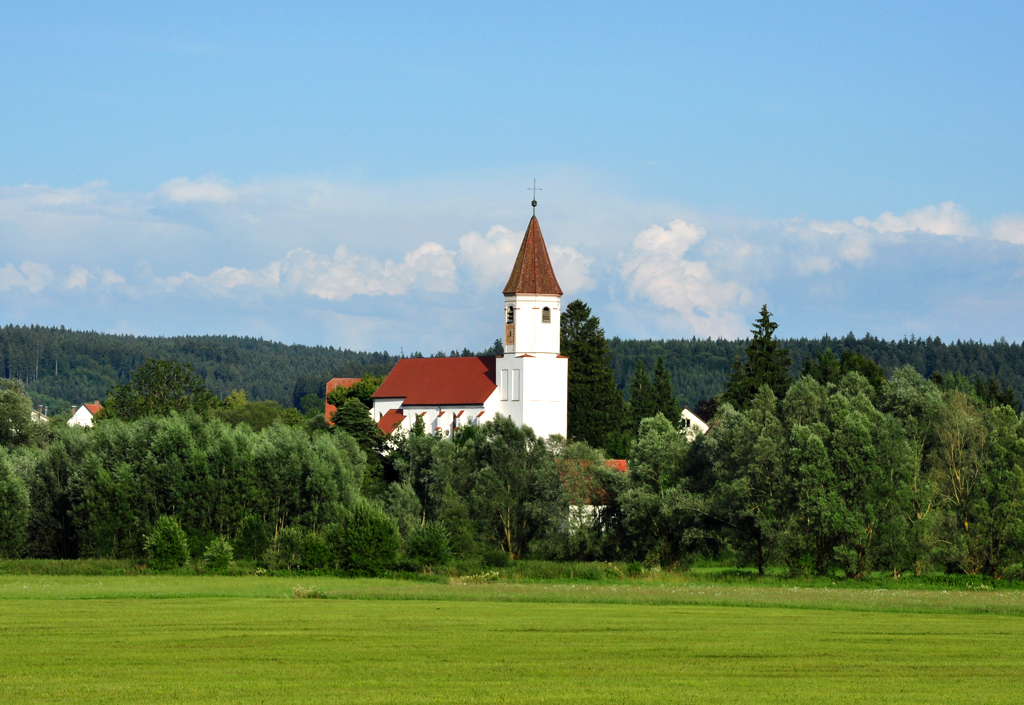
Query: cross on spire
x=535, y=190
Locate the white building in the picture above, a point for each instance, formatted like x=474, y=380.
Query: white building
x=692, y=425
x=528, y=383
x=83, y=415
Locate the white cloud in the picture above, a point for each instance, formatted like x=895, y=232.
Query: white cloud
x=657, y=271
x=572, y=268
x=945, y=219
x=430, y=267
x=110, y=277
x=78, y=279
x=1009, y=229
x=490, y=257
x=184, y=190
x=31, y=275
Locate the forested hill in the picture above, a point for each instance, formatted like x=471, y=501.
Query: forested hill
x=700, y=368
x=63, y=367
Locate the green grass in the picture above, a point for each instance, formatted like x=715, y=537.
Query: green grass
x=663, y=638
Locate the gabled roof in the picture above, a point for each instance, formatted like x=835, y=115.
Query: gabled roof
x=532, y=273
x=429, y=381
x=93, y=408
x=390, y=420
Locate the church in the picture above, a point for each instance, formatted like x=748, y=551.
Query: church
x=528, y=383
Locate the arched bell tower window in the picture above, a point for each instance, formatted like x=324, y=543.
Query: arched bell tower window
x=510, y=314
x=545, y=315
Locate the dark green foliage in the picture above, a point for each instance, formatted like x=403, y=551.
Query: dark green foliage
x=362, y=390
x=311, y=405
x=514, y=468
x=368, y=540
x=218, y=555
x=16, y=427
x=429, y=545
x=316, y=553
x=826, y=368
x=253, y=539
x=594, y=404
x=166, y=545
x=258, y=415
x=643, y=401
x=14, y=509
x=158, y=388
x=496, y=559
x=766, y=364
x=664, y=398
x=992, y=393
x=286, y=551
x=352, y=418
x=62, y=367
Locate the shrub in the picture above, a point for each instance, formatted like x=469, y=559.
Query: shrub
x=166, y=546
x=315, y=551
x=496, y=559
x=429, y=544
x=289, y=547
x=253, y=539
x=634, y=569
x=368, y=540
x=218, y=555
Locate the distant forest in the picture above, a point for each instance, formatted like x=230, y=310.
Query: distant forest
x=62, y=367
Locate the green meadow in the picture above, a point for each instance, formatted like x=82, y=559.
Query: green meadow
x=205, y=639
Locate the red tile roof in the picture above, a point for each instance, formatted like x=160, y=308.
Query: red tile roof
x=344, y=382
x=389, y=420
x=620, y=465
x=429, y=381
x=93, y=408
x=532, y=273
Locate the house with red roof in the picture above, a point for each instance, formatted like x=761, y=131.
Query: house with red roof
x=528, y=383
x=84, y=414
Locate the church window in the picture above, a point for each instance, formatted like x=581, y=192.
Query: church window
x=510, y=314
x=504, y=385
x=545, y=315
x=517, y=383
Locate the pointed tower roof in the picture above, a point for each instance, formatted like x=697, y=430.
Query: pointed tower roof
x=533, y=273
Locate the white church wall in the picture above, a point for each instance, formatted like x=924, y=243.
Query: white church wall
x=532, y=391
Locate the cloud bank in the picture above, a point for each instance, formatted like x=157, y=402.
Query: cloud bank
x=308, y=260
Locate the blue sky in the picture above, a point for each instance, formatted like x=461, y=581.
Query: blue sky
x=356, y=176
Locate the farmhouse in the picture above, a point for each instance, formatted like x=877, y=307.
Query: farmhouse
x=528, y=383
x=692, y=425
x=83, y=415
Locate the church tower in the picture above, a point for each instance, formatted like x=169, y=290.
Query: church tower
x=532, y=376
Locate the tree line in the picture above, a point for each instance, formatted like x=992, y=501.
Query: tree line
x=842, y=469
x=61, y=368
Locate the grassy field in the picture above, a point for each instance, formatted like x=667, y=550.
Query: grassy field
x=153, y=638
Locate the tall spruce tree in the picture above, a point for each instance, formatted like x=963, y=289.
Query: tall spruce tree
x=642, y=401
x=595, y=404
x=664, y=398
x=766, y=364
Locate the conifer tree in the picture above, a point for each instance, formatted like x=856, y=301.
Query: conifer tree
x=642, y=401
x=664, y=398
x=767, y=364
x=595, y=404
